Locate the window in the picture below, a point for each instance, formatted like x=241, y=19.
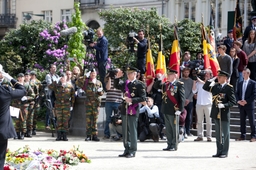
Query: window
x=48, y=16
x=66, y=15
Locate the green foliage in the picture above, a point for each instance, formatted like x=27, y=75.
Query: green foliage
x=21, y=48
x=120, y=21
x=76, y=48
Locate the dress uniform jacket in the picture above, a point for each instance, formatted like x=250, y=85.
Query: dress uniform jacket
x=178, y=93
x=6, y=95
x=225, y=95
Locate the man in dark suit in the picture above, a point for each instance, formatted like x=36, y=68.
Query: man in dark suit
x=172, y=105
x=134, y=94
x=245, y=95
x=6, y=126
x=223, y=99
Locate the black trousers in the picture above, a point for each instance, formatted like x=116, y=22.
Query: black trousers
x=243, y=114
x=3, y=147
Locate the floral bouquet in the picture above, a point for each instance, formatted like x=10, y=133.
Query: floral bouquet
x=49, y=159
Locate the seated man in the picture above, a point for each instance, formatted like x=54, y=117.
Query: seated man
x=149, y=121
x=115, y=126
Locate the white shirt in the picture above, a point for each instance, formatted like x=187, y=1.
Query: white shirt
x=151, y=112
x=203, y=97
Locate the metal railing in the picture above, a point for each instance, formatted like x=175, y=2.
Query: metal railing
x=8, y=20
x=91, y=3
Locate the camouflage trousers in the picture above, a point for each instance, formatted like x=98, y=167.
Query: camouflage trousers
x=92, y=113
x=21, y=122
x=35, y=117
x=30, y=117
x=63, y=114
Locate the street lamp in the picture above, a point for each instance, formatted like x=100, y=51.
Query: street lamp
x=28, y=16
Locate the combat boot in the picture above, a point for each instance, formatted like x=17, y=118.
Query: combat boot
x=29, y=134
x=34, y=132
x=88, y=138
x=21, y=136
x=65, y=136
x=18, y=135
x=95, y=138
x=58, y=136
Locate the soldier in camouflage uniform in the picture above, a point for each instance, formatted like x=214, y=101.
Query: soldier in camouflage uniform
x=65, y=95
x=93, y=89
x=23, y=104
x=39, y=92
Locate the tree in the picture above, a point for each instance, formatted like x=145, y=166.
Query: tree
x=121, y=21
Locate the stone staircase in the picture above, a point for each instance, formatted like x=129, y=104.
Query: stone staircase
x=234, y=125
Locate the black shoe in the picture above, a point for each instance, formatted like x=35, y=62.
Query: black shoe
x=65, y=136
x=29, y=134
x=58, y=136
x=21, y=136
x=95, y=138
x=123, y=155
x=168, y=149
x=130, y=155
x=215, y=156
x=88, y=138
x=223, y=156
x=34, y=132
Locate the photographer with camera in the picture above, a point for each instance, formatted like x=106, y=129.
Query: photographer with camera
x=141, y=51
x=203, y=106
x=149, y=121
x=115, y=126
x=101, y=47
x=114, y=98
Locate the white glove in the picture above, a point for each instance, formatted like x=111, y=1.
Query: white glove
x=220, y=106
x=7, y=76
x=177, y=112
x=24, y=98
x=100, y=89
x=182, y=67
x=212, y=84
x=212, y=79
x=71, y=108
x=1, y=68
x=88, y=74
x=94, y=81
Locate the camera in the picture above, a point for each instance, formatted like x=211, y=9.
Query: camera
x=196, y=67
x=116, y=116
x=89, y=35
x=131, y=41
x=112, y=72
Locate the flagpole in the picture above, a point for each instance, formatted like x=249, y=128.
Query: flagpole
x=149, y=44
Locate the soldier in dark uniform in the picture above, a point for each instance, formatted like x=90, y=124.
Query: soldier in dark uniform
x=65, y=95
x=134, y=93
x=223, y=99
x=172, y=106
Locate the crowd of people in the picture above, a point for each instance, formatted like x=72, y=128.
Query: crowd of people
x=162, y=110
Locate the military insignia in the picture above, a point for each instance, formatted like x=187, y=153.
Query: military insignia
x=172, y=93
x=132, y=94
x=222, y=95
x=133, y=87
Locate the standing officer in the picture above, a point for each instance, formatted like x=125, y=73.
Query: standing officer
x=6, y=125
x=93, y=89
x=134, y=93
x=172, y=106
x=65, y=95
x=223, y=99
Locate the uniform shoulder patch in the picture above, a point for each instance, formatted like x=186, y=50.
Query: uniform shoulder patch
x=230, y=85
x=181, y=82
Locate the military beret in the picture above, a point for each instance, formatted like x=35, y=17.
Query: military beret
x=20, y=75
x=253, y=17
x=27, y=73
x=62, y=74
x=131, y=69
x=32, y=73
x=230, y=31
x=93, y=70
x=223, y=73
x=171, y=71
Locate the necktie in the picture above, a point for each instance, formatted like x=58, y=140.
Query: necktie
x=244, y=89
